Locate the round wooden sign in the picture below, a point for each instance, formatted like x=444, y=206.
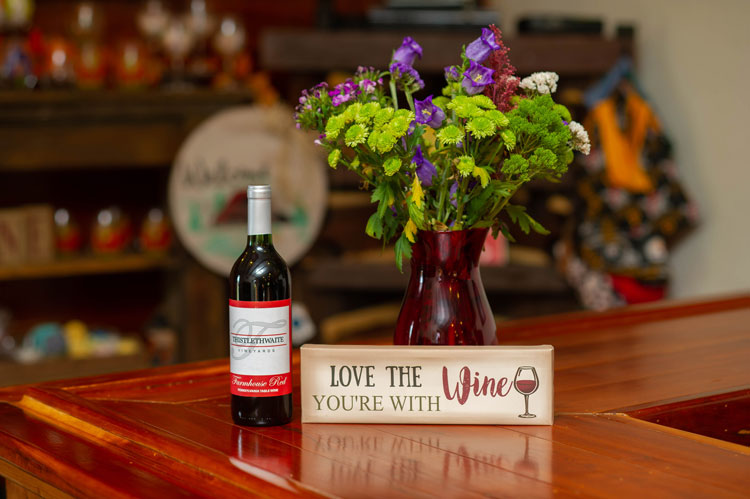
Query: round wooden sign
x=209, y=179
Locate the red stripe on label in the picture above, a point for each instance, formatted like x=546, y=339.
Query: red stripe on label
x=260, y=304
x=261, y=386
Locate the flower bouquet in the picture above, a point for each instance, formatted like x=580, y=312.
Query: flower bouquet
x=443, y=169
x=450, y=162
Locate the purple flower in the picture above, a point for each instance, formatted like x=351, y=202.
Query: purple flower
x=367, y=86
x=476, y=78
x=452, y=193
x=406, y=76
x=428, y=113
x=479, y=49
x=319, y=89
x=343, y=92
x=407, y=52
x=454, y=188
x=451, y=74
x=425, y=170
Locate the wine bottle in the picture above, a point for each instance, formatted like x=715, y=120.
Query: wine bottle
x=260, y=323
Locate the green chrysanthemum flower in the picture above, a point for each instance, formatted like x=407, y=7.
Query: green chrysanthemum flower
x=383, y=116
x=372, y=140
x=356, y=135
x=464, y=107
x=385, y=141
x=406, y=114
x=482, y=101
x=498, y=118
x=480, y=127
x=450, y=135
x=465, y=165
x=334, y=157
x=392, y=165
x=367, y=112
x=351, y=112
x=334, y=126
x=399, y=125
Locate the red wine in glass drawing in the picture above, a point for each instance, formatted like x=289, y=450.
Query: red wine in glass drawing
x=526, y=382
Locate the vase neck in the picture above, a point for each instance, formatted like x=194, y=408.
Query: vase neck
x=450, y=249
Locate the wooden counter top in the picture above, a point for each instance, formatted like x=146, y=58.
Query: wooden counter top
x=167, y=432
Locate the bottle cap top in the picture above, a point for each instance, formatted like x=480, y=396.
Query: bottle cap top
x=258, y=192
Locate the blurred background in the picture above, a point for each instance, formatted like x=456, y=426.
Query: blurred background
x=129, y=129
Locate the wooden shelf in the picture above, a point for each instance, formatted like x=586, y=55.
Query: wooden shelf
x=101, y=129
x=295, y=50
x=375, y=276
x=86, y=266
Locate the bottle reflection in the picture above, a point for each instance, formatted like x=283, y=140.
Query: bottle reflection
x=263, y=457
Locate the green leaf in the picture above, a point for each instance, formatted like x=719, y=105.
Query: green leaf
x=482, y=175
x=524, y=220
x=416, y=213
x=506, y=233
x=383, y=196
x=403, y=250
x=374, y=227
x=474, y=208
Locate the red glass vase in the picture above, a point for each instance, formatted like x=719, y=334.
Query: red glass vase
x=445, y=302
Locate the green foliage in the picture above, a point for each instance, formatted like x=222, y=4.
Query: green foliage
x=403, y=250
x=518, y=215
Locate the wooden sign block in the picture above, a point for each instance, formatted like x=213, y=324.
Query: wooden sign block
x=12, y=237
x=510, y=385
x=40, y=233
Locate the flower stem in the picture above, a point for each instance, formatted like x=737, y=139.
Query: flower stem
x=460, y=201
x=492, y=158
x=498, y=208
x=443, y=189
x=394, y=96
x=409, y=99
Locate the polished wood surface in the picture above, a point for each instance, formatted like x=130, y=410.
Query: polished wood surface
x=168, y=433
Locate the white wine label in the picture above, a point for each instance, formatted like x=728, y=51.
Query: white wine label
x=260, y=347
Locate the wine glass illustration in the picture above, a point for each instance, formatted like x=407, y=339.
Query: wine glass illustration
x=526, y=382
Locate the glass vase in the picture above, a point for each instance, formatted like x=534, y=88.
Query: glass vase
x=445, y=302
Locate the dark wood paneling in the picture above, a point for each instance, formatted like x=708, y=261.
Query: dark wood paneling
x=320, y=51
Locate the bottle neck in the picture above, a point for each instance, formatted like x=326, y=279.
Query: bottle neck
x=259, y=240
x=259, y=218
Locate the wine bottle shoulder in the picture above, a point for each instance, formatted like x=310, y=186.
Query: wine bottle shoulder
x=260, y=274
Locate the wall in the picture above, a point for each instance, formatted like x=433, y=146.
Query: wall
x=694, y=66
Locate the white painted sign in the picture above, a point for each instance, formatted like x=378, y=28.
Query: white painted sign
x=236, y=147
x=511, y=385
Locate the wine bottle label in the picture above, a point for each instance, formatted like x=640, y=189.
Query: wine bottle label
x=260, y=348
